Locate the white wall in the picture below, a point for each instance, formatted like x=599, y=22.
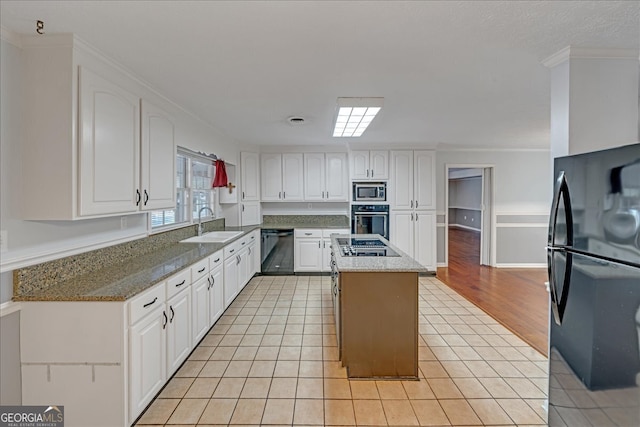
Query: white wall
x=523, y=188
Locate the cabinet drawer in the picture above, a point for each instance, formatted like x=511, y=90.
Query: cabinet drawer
x=178, y=282
x=146, y=303
x=327, y=232
x=232, y=249
x=215, y=260
x=308, y=232
x=199, y=270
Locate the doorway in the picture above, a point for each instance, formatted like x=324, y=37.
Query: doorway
x=469, y=214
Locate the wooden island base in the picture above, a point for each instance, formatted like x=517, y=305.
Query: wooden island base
x=379, y=324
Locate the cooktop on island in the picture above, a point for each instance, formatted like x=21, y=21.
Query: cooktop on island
x=361, y=246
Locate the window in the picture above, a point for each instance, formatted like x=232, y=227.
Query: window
x=194, y=176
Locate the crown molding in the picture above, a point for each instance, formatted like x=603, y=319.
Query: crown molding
x=573, y=52
x=10, y=37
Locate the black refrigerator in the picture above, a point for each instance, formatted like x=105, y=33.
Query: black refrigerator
x=593, y=258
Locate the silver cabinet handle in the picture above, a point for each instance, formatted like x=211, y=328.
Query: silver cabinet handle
x=416, y=216
x=412, y=204
x=411, y=216
x=371, y=173
x=318, y=244
x=284, y=195
x=279, y=194
x=367, y=173
x=416, y=204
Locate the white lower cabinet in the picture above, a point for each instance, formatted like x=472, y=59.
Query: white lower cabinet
x=200, y=298
x=414, y=232
x=147, y=360
x=312, y=249
x=231, y=273
x=216, y=294
x=178, y=330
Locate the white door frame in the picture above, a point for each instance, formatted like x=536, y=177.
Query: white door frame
x=490, y=202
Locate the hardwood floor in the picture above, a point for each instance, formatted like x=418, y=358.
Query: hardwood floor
x=515, y=297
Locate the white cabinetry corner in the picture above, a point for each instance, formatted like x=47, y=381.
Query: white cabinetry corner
x=326, y=177
x=98, y=170
x=369, y=165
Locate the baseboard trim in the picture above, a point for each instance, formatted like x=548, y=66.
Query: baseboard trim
x=521, y=265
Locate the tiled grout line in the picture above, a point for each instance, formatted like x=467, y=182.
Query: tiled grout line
x=246, y=301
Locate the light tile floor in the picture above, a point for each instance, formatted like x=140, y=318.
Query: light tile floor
x=272, y=359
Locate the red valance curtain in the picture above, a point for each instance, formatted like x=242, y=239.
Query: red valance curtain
x=220, y=180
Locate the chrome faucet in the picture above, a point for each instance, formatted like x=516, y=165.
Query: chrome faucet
x=200, y=218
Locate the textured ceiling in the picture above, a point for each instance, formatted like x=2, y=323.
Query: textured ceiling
x=460, y=73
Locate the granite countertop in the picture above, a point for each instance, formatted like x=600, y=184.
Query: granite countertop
x=402, y=263
x=124, y=280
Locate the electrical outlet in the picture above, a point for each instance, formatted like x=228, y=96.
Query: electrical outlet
x=123, y=222
x=4, y=241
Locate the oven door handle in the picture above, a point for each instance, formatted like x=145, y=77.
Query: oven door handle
x=371, y=214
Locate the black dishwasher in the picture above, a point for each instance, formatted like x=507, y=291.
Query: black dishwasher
x=277, y=252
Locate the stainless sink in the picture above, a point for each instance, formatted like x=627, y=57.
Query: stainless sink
x=214, y=237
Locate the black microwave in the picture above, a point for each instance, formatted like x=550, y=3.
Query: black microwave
x=369, y=192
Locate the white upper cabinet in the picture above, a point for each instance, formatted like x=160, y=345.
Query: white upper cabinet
x=412, y=182
x=109, y=151
x=314, y=176
x=250, y=165
x=271, y=177
x=121, y=155
x=292, y=177
x=281, y=177
x=326, y=177
x=369, y=165
x=337, y=177
x=158, y=159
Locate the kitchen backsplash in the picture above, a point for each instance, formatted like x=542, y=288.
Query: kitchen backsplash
x=307, y=220
x=41, y=276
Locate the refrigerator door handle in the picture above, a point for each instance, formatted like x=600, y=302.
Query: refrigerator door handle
x=559, y=302
x=561, y=189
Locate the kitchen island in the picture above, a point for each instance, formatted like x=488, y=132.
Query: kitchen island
x=376, y=308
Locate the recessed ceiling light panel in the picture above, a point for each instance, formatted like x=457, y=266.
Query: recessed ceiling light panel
x=354, y=115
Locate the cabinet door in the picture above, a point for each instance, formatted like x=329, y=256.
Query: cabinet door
x=200, y=308
x=308, y=255
x=250, y=213
x=271, y=177
x=158, y=159
x=147, y=360
x=109, y=147
x=314, y=178
x=230, y=279
x=337, y=177
x=326, y=254
x=178, y=330
x=244, y=268
x=379, y=165
x=256, y=248
x=292, y=177
x=359, y=165
x=424, y=182
x=216, y=295
x=252, y=254
x=425, y=239
x=250, y=176
x=400, y=191
x=401, y=230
